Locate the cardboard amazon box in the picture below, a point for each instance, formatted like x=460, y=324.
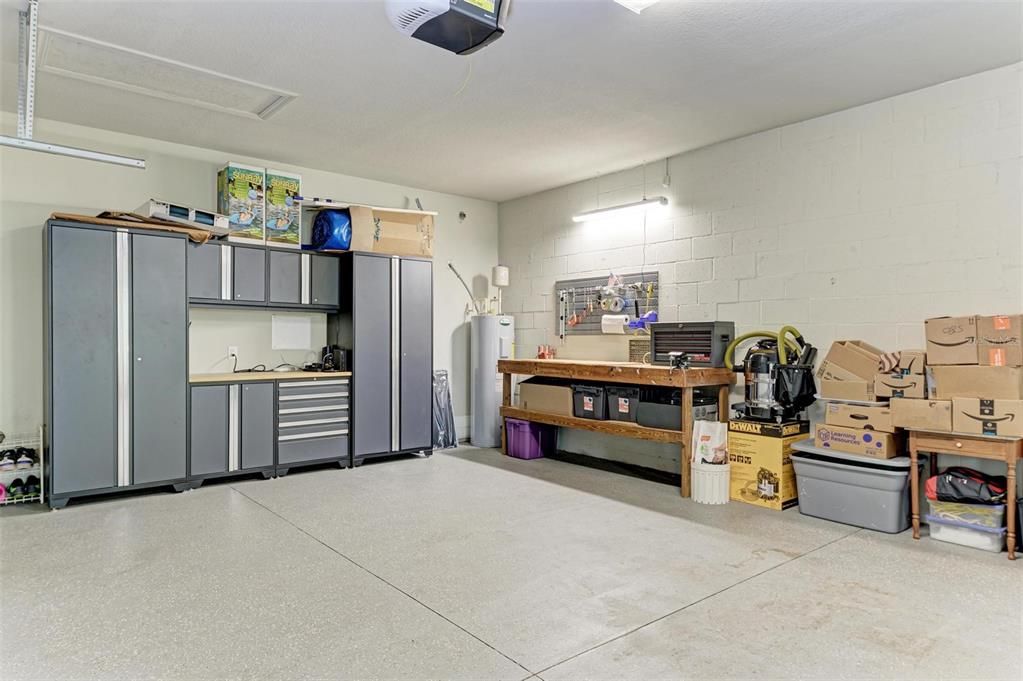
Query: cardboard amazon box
x=855, y=441
x=760, y=455
x=857, y=390
x=862, y=417
x=1001, y=340
x=897, y=385
x=982, y=382
x=951, y=340
x=391, y=231
x=922, y=414
x=912, y=362
x=850, y=360
x=987, y=417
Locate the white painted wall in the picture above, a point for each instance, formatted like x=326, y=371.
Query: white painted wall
x=33, y=185
x=858, y=224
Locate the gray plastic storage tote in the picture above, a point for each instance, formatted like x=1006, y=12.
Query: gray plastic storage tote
x=850, y=489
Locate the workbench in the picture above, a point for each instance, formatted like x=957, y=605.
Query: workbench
x=629, y=373
x=1005, y=449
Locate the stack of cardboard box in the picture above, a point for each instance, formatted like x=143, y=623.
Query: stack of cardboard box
x=859, y=423
x=974, y=378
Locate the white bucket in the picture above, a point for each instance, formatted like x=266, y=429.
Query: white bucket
x=710, y=482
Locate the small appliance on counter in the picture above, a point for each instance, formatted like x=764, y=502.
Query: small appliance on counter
x=333, y=358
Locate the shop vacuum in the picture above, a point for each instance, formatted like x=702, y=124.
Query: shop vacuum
x=778, y=371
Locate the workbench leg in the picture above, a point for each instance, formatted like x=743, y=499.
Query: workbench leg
x=506, y=392
x=724, y=394
x=687, y=439
x=914, y=485
x=1010, y=487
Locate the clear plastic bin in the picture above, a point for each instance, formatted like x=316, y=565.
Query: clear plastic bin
x=983, y=538
x=978, y=515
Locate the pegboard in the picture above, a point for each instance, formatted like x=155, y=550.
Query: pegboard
x=582, y=300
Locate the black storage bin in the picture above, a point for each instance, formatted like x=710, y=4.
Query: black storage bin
x=661, y=408
x=589, y=402
x=622, y=403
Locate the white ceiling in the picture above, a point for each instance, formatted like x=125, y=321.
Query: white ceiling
x=576, y=88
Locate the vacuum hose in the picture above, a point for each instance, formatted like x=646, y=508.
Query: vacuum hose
x=782, y=337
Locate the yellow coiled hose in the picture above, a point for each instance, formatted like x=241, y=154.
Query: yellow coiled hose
x=782, y=338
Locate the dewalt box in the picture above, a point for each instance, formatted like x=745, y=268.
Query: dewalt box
x=761, y=458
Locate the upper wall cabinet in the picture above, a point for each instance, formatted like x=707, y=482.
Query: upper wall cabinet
x=254, y=276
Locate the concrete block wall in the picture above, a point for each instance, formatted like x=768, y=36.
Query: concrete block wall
x=858, y=224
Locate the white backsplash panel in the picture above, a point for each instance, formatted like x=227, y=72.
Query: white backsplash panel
x=212, y=330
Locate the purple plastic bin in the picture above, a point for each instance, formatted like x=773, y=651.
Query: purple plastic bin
x=527, y=440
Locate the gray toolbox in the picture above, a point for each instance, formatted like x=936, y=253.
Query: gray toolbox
x=312, y=421
x=851, y=489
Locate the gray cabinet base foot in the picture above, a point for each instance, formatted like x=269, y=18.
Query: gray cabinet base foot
x=59, y=503
x=182, y=486
x=267, y=475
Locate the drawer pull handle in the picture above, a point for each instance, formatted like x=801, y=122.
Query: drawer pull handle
x=305, y=384
x=311, y=410
x=314, y=396
x=311, y=422
x=312, y=436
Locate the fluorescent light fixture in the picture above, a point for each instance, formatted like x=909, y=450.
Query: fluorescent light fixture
x=625, y=208
x=636, y=6
x=74, y=152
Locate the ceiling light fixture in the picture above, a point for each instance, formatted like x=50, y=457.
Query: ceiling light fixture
x=28, y=34
x=623, y=209
x=636, y=6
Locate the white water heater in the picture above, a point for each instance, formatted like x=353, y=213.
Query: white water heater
x=492, y=338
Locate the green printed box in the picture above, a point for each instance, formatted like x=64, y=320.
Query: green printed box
x=240, y=197
x=282, y=209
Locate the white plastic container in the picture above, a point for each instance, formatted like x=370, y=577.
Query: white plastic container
x=710, y=482
x=983, y=538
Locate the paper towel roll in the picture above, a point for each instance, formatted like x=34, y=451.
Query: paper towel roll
x=614, y=323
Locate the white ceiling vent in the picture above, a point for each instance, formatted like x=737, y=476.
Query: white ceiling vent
x=94, y=61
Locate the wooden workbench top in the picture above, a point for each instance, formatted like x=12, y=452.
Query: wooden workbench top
x=248, y=376
x=618, y=372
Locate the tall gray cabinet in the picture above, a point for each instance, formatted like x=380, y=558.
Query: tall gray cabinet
x=387, y=320
x=116, y=361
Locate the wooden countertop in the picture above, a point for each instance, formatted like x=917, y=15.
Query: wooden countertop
x=247, y=376
x=618, y=372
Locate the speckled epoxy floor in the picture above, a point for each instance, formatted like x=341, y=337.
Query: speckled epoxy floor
x=471, y=565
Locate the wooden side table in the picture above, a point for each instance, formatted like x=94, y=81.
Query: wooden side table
x=1006, y=449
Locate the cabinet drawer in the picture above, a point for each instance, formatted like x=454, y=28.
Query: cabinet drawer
x=336, y=418
x=337, y=393
x=312, y=450
x=293, y=433
x=308, y=407
x=330, y=385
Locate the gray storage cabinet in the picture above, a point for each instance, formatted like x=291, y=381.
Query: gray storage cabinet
x=209, y=430
x=249, y=276
x=204, y=272
x=159, y=371
x=116, y=359
x=313, y=422
x=324, y=281
x=387, y=321
x=285, y=277
x=256, y=425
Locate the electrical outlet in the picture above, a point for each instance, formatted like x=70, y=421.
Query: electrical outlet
x=232, y=350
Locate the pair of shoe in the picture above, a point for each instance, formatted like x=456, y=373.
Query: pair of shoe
x=18, y=459
x=18, y=488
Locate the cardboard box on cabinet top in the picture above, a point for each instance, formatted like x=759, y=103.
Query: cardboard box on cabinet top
x=951, y=340
x=922, y=414
x=1001, y=340
x=982, y=382
x=987, y=417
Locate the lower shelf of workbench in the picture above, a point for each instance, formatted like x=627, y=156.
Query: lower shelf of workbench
x=622, y=428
